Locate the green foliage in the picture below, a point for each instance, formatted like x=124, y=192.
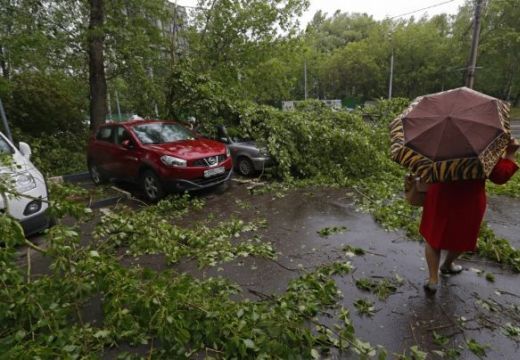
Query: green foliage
x=208, y=245
x=58, y=153
x=184, y=315
x=512, y=331
x=68, y=200
x=490, y=277
x=239, y=44
x=11, y=232
x=327, y=231
x=383, y=288
x=191, y=93
x=440, y=340
x=354, y=250
x=331, y=147
x=478, y=349
x=364, y=307
x=46, y=103
x=497, y=249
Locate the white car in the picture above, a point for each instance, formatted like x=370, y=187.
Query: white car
x=30, y=203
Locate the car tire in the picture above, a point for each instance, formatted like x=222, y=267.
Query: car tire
x=152, y=187
x=245, y=166
x=95, y=174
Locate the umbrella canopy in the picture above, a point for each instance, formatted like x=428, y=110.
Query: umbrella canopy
x=453, y=135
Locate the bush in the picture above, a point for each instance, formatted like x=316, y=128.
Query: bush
x=58, y=154
x=40, y=103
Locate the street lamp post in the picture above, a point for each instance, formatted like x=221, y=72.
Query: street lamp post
x=391, y=82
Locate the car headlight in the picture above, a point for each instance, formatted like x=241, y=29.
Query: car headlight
x=228, y=152
x=172, y=161
x=24, y=182
x=263, y=152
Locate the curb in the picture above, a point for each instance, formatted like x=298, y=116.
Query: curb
x=125, y=195
x=70, y=178
x=107, y=202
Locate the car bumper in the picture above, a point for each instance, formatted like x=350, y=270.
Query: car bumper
x=36, y=223
x=198, y=183
x=192, y=178
x=261, y=163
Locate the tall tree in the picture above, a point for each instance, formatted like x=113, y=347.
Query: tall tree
x=97, y=79
x=231, y=39
x=500, y=50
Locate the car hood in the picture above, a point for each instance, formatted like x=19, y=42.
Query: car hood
x=190, y=149
x=244, y=145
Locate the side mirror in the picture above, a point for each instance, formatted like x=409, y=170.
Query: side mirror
x=25, y=149
x=224, y=140
x=127, y=144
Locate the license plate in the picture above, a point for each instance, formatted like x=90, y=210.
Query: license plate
x=213, y=172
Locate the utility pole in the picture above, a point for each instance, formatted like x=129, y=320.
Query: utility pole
x=305, y=76
x=470, y=74
x=391, y=82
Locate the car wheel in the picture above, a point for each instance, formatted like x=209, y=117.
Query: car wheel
x=152, y=186
x=95, y=174
x=245, y=166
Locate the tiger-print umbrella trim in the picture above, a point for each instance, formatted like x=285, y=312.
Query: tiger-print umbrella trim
x=490, y=156
x=440, y=171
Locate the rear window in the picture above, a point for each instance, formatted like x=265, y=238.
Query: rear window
x=5, y=148
x=161, y=133
x=105, y=134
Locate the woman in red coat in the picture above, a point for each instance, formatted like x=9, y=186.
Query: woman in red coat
x=452, y=215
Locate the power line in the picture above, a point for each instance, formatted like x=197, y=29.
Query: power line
x=426, y=8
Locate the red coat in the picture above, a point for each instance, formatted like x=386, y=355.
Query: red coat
x=453, y=211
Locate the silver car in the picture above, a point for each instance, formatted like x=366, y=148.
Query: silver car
x=248, y=158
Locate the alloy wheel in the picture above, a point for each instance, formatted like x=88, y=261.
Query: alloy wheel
x=151, y=187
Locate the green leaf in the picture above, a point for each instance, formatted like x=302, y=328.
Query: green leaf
x=102, y=334
x=249, y=343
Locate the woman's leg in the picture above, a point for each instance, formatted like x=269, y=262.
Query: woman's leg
x=448, y=265
x=433, y=258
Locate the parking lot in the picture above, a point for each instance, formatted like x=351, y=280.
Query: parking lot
x=466, y=307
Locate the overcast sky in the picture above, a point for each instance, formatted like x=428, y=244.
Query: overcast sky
x=378, y=8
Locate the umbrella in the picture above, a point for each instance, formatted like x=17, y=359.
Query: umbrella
x=458, y=134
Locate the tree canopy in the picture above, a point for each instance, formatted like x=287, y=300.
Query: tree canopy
x=250, y=50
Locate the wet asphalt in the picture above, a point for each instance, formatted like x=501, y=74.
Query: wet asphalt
x=466, y=307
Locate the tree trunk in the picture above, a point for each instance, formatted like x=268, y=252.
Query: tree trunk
x=4, y=66
x=98, y=84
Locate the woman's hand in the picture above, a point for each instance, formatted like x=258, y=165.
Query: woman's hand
x=511, y=149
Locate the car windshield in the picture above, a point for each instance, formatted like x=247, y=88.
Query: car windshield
x=5, y=148
x=160, y=133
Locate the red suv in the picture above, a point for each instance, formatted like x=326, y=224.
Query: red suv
x=159, y=155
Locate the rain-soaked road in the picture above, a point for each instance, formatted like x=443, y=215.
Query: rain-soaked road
x=467, y=306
